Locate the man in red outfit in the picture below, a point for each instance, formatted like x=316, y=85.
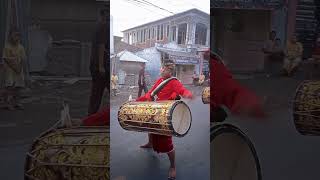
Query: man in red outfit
x=101, y=118
x=225, y=91
x=163, y=144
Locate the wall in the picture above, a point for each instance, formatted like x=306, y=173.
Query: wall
x=132, y=72
x=111, y=36
x=279, y=23
x=242, y=50
x=191, y=19
x=72, y=19
x=154, y=62
x=69, y=60
x=3, y=29
x=292, y=10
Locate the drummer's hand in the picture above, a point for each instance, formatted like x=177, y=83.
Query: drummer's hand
x=188, y=95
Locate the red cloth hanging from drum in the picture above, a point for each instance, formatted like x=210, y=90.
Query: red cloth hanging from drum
x=163, y=144
x=226, y=91
x=101, y=118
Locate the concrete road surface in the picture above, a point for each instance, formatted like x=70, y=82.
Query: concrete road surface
x=192, y=151
x=282, y=151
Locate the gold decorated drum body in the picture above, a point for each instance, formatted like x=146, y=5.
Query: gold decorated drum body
x=80, y=153
x=206, y=95
x=306, y=108
x=170, y=118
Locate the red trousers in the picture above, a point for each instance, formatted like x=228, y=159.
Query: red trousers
x=162, y=144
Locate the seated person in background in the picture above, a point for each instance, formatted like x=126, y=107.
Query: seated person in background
x=293, y=56
x=195, y=77
x=201, y=79
x=267, y=50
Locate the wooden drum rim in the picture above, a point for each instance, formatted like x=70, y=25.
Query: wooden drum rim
x=217, y=130
x=170, y=117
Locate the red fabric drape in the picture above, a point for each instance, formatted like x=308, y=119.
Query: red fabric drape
x=101, y=118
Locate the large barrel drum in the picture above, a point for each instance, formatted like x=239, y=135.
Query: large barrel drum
x=233, y=155
x=78, y=153
x=170, y=118
x=306, y=108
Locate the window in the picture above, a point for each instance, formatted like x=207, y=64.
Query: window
x=149, y=34
x=168, y=30
x=173, y=33
x=153, y=32
x=201, y=34
x=158, y=32
x=141, y=36
x=182, y=33
x=138, y=34
x=161, y=32
x=134, y=38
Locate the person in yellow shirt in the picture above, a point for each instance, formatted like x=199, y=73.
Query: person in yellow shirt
x=114, y=81
x=201, y=79
x=293, y=55
x=14, y=56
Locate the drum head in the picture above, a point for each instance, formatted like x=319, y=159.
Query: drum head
x=181, y=118
x=233, y=155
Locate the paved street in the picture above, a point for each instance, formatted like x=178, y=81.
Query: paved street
x=42, y=110
x=192, y=151
x=283, y=153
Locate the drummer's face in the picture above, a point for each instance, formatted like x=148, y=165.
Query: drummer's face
x=165, y=72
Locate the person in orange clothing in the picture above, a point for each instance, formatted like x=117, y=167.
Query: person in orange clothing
x=172, y=90
x=229, y=93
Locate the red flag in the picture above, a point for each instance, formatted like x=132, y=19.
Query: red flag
x=101, y=118
x=226, y=91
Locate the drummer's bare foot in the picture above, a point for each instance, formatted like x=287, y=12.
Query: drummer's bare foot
x=146, y=146
x=172, y=173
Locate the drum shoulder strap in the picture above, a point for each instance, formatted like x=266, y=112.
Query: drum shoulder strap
x=161, y=86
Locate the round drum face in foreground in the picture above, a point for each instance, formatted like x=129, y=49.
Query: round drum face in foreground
x=181, y=119
x=233, y=156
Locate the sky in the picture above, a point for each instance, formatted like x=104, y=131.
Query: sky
x=127, y=14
